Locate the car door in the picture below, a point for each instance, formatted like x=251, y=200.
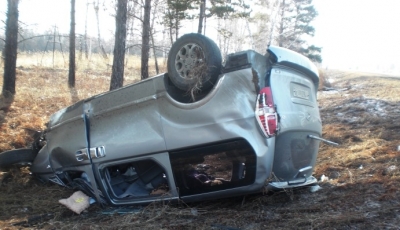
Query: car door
x=125, y=123
x=65, y=136
x=126, y=137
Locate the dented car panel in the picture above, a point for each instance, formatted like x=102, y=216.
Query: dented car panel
x=229, y=113
x=145, y=142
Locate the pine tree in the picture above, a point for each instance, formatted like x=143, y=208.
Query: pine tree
x=295, y=19
x=176, y=11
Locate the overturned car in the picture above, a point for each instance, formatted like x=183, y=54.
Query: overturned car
x=201, y=131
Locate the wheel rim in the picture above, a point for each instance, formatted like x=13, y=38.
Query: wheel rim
x=188, y=57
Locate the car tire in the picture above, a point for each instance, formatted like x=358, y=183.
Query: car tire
x=194, y=62
x=18, y=157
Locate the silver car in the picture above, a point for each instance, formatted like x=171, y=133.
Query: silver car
x=204, y=130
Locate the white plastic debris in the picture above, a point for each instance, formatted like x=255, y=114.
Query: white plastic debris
x=398, y=148
x=361, y=167
x=194, y=211
x=324, y=178
x=77, y=202
x=315, y=188
x=391, y=168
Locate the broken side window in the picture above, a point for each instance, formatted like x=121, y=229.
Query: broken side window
x=214, y=167
x=136, y=179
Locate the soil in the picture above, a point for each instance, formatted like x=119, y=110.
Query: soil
x=358, y=181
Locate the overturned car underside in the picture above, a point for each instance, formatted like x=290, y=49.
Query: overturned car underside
x=256, y=126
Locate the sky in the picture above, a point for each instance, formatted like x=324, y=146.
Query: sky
x=353, y=34
x=45, y=14
x=359, y=34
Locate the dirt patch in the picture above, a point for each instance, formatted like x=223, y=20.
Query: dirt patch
x=360, y=187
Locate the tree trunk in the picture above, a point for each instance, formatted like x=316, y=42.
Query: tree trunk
x=171, y=34
x=96, y=10
x=10, y=49
x=54, y=44
x=117, y=76
x=132, y=12
x=71, y=75
x=205, y=20
x=146, y=40
x=201, y=16
x=249, y=31
x=154, y=53
x=85, y=36
x=101, y=48
x=281, y=26
x=152, y=32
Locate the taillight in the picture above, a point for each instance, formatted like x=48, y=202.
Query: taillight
x=265, y=112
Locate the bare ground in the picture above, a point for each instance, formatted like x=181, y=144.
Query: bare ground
x=360, y=189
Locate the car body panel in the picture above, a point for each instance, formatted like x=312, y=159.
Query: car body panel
x=227, y=115
x=296, y=61
x=294, y=90
x=117, y=122
x=66, y=135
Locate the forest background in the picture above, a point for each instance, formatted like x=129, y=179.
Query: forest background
x=234, y=25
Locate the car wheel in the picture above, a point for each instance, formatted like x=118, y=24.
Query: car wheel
x=19, y=157
x=194, y=63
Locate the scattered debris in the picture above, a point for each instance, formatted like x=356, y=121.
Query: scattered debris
x=161, y=190
x=194, y=211
x=389, y=170
x=77, y=202
x=35, y=219
x=324, y=178
x=315, y=188
x=125, y=210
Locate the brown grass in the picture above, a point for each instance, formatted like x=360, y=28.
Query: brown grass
x=199, y=73
x=361, y=113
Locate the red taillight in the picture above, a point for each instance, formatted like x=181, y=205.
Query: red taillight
x=265, y=112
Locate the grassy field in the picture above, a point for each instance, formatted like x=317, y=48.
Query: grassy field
x=360, y=111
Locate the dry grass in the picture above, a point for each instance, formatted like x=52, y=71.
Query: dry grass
x=199, y=73
x=361, y=112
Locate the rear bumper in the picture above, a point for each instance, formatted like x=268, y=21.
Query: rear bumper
x=291, y=184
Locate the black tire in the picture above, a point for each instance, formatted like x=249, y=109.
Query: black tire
x=18, y=157
x=194, y=61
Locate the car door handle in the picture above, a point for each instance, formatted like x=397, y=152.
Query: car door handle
x=95, y=152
